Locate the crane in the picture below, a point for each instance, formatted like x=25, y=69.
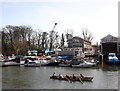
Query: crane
x=53, y=36
x=54, y=26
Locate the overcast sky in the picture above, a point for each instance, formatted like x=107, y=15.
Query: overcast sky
x=99, y=16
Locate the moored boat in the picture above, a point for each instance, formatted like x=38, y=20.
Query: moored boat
x=12, y=62
x=53, y=62
x=43, y=62
x=112, y=59
x=94, y=61
x=83, y=64
x=1, y=61
x=49, y=61
x=66, y=63
x=32, y=62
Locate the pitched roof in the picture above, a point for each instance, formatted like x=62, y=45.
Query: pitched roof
x=108, y=36
x=76, y=37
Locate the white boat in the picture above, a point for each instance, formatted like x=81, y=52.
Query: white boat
x=2, y=61
x=48, y=61
x=22, y=62
x=11, y=63
x=92, y=62
x=83, y=64
x=112, y=58
x=43, y=62
x=32, y=64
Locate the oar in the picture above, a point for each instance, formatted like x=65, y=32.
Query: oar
x=80, y=80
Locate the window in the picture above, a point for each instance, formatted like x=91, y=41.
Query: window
x=80, y=45
x=90, y=48
x=73, y=45
x=85, y=49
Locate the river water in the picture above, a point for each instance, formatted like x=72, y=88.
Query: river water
x=20, y=77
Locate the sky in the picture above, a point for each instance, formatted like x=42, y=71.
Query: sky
x=100, y=17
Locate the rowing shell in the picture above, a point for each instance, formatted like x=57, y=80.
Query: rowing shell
x=83, y=79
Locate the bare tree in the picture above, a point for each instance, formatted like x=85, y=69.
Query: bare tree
x=18, y=46
x=87, y=35
x=34, y=41
x=69, y=34
x=29, y=36
x=44, y=39
x=15, y=39
x=53, y=36
x=18, y=39
x=39, y=40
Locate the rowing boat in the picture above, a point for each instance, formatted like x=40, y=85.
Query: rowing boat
x=71, y=79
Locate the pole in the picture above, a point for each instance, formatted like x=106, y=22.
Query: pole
x=102, y=58
x=102, y=61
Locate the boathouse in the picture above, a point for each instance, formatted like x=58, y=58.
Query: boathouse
x=109, y=44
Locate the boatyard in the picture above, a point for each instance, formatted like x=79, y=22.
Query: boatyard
x=79, y=65
x=59, y=45
x=72, y=67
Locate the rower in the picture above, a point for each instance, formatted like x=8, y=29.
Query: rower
x=73, y=76
x=60, y=76
x=81, y=76
x=54, y=74
x=67, y=76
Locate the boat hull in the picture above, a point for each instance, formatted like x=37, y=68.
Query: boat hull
x=82, y=66
x=64, y=65
x=53, y=63
x=2, y=64
x=11, y=64
x=32, y=65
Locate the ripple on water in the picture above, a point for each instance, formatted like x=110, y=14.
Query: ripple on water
x=38, y=77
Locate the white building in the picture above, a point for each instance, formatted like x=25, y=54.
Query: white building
x=88, y=48
x=76, y=44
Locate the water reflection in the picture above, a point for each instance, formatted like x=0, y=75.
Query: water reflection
x=106, y=67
